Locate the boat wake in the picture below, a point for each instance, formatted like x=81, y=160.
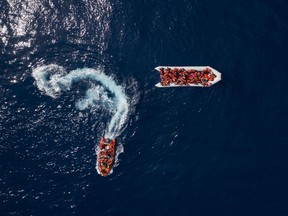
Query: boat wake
x=102, y=92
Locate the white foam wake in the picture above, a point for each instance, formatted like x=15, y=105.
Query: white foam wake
x=53, y=80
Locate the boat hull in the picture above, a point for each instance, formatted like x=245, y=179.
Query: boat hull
x=198, y=68
x=105, y=156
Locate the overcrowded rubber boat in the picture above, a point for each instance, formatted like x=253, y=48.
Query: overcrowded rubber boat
x=190, y=76
x=105, y=156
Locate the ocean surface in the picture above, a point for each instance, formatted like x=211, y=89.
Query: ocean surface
x=74, y=71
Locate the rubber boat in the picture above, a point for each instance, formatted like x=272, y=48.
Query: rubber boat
x=105, y=156
x=195, y=76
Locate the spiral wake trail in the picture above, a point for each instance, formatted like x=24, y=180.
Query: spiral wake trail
x=53, y=79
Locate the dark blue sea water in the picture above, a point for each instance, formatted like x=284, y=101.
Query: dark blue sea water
x=215, y=151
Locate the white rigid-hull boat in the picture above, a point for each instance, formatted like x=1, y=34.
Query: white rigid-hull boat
x=105, y=156
x=196, y=76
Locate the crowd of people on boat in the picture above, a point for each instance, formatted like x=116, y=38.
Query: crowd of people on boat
x=181, y=76
x=106, y=156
